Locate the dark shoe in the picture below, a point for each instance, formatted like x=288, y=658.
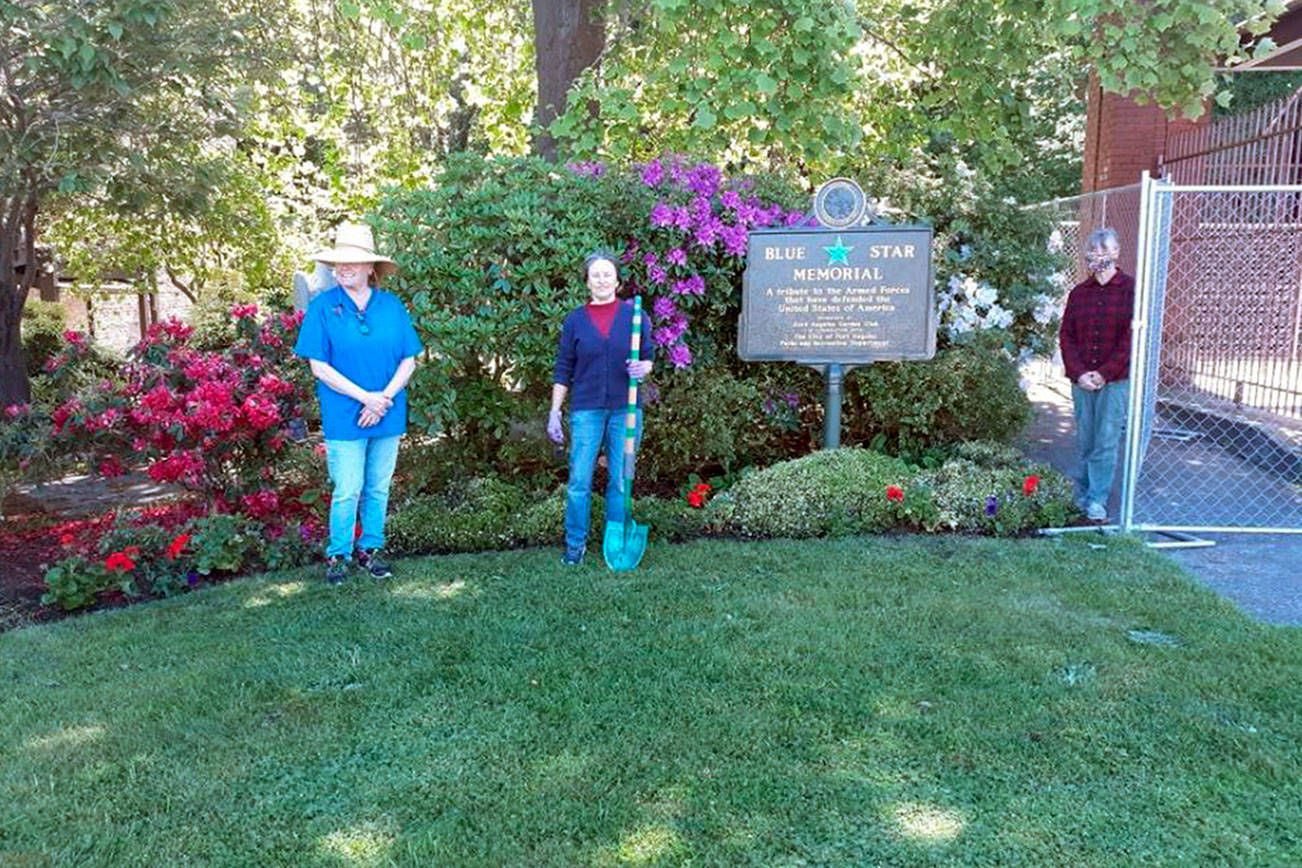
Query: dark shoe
x=336, y=569
x=572, y=557
x=374, y=564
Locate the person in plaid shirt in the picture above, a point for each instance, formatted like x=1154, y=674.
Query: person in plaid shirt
x=1095, y=342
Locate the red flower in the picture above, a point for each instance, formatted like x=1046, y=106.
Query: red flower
x=241, y=311
x=119, y=562
x=697, y=496
x=1029, y=484
x=66, y=539
x=110, y=467
x=177, y=546
x=894, y=494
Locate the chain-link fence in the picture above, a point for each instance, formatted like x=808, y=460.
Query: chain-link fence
x=1216, y=372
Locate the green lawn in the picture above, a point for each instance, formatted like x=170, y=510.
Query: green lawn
x=863, y=701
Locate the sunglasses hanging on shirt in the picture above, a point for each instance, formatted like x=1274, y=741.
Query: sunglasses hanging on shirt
x=361, y=322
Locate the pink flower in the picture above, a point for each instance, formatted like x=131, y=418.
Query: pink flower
x=111, y=467
x=76, y=338
x=244, y=311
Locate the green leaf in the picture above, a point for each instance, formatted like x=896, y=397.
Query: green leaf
x=766, y=84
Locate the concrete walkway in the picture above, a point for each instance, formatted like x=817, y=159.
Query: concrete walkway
x=1262, y=573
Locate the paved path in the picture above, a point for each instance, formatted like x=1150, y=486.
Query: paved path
x=1262, y=573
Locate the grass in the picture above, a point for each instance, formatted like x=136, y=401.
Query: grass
x=862, y=701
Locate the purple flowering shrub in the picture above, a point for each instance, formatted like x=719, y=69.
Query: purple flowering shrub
x=690, y=253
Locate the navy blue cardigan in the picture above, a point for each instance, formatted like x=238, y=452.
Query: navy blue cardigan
x=592, y=367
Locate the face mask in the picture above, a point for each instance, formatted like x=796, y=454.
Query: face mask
x=1097, y=264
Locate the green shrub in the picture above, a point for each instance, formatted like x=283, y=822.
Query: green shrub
x=73, y=583
x=706, y=419
x=824, y=493
x=483, y=514
x=964, y=393
x=992, y=498
x=671, y=519
x=43, y=324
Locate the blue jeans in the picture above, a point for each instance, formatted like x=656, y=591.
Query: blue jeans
x=1099, y=418
x=361, y=471
x=588, y=430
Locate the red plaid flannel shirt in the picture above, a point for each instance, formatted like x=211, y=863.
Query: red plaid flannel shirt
x=1095, y=332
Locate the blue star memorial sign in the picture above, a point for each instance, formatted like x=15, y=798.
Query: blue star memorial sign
x=838, y=252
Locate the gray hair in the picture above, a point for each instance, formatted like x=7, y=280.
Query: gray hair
x=597, y=256
x=1103, y=239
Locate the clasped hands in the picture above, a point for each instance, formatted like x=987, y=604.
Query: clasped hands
x=375, y=405
x=1091, y=380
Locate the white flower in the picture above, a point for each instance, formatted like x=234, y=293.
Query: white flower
x=1046, y=308
x=956, y=283
x=1055, y=241
x=984, y=295
x=998, y=317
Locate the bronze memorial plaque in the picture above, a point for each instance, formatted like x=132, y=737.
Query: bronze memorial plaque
x=850, y=295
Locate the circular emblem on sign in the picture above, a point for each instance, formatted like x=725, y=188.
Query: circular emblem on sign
x=839, y=203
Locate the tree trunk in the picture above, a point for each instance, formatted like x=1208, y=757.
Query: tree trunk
x=17, y=234
x=568, y=37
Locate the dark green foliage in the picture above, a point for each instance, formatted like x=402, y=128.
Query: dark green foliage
x=966, y=392
x=43, y=324
x=491, y=261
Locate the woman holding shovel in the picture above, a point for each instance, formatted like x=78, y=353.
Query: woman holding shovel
x=595, y=367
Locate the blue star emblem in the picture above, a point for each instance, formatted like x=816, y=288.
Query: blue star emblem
x=838, y=252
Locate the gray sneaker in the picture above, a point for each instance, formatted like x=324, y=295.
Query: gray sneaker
x=374, y=564
x=572, y=557
x=336, y=569
x=1096, y=512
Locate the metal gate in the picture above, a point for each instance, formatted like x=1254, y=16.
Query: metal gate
x=1215, y=440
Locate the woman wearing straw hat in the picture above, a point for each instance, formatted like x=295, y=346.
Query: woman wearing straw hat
x=362, y=347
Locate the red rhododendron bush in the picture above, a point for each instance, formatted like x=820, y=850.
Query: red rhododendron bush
x=224, y=425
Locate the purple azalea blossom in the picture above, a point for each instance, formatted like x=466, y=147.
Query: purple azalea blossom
x=663, y=336
x=664, y=307
x=676, y=173
x=708, y=232
x=677, y=256
x=656, y=274
x=735, y=239
x=653, y=173
x=704, y=179
x=694, y=285
x=630, y=252
x=794, y=218
x=792, y=399
x=662, y=215
x=680, y=356
x=731, y=199
x=594, y=169
x=650, y=259
x=992, y=505
x=683, y=218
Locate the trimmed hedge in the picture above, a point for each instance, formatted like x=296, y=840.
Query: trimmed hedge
x=826, y=493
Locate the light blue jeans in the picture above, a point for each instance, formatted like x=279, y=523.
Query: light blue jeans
x=361, y=471
x=1099, y=419
x=588, y=430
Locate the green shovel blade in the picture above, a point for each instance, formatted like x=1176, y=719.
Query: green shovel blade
x=624, y=545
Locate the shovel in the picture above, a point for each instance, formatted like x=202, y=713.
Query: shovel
x=625, y=541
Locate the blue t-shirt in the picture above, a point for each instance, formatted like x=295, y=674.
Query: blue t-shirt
x=366, y=347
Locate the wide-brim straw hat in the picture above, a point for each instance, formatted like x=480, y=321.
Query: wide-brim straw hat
x=355, y=243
